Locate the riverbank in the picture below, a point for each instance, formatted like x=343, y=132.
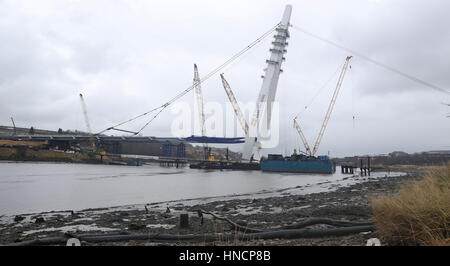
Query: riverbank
x=349, y=203
x=27, y=154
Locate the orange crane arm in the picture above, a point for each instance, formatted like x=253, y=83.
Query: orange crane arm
x=330, y=108
x=300, y=132
x=235, y=105
x=86, y=119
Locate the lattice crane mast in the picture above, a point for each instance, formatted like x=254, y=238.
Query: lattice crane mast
x=330, y=108
x=199, y=97
x=237, y=109
x=86, y=119
x=14, y=126
x=200, y=109
x=300, y=132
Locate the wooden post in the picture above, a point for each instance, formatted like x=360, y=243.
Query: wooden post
x=361, y=166
x=184, y=220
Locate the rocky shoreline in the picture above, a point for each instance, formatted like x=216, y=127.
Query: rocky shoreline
x=350, y=203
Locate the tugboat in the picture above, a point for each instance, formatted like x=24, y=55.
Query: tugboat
x=298, y=163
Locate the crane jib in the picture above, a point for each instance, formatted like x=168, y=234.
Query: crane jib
x=330, y=108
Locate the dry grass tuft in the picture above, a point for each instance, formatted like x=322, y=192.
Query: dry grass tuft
x=419, y=214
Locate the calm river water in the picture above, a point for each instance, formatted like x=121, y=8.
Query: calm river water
x=39, y=187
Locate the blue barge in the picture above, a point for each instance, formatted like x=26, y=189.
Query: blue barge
x=298, y=164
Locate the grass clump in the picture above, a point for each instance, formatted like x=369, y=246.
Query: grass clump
x=419, y=213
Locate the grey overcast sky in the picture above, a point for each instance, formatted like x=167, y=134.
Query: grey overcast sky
x=128, y=57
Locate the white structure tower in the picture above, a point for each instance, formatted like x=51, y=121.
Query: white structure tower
x=260, y=124
x=199, y=101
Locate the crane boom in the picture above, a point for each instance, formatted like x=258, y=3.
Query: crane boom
x=300, y=132
x=200, y=109
x=14, y=125
x=330, y=108
x=86, y=119
x=235, y=105
x=199, y=97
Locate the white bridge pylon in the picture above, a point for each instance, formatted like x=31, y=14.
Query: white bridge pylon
x=260, y=124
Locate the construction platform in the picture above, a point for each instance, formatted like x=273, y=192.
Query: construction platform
x=221, y=165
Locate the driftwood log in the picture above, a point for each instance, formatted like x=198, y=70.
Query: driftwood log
x=292, y=232
x=235, y=226
x=314, y=221
x=280, y=234
x=303, y=224
x=242, y=233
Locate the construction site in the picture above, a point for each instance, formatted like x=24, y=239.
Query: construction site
x=100, y=145
x=122, y=186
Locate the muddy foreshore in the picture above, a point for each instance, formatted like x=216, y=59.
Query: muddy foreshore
x=345, y=203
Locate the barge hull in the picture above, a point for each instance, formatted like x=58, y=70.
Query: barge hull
x=307, y=166
x=226, y=165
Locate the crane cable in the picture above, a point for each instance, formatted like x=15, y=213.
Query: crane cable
x=427, y=84
x=318, y=92
x=232, y=65
x=352, y=78
x=127, y=121
x=180, y=95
